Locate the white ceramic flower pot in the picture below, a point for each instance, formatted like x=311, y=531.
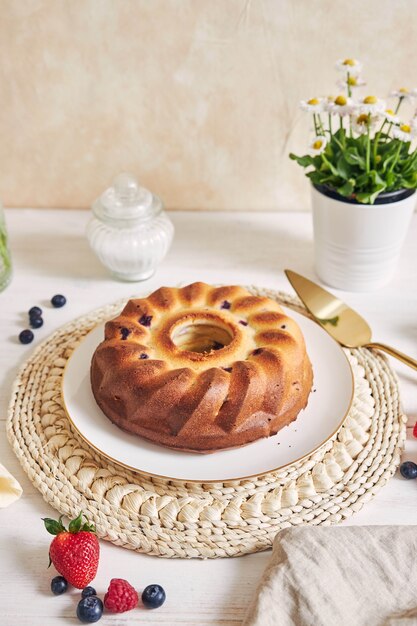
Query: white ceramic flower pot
x=357, y=246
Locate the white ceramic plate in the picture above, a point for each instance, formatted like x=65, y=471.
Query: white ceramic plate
x=328, y=404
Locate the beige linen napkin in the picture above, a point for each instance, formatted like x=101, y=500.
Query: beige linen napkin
x=339, y=576
x=10, y=490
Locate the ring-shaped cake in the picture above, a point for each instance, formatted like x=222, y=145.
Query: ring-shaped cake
x=202, y=368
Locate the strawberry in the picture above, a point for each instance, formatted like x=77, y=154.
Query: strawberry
x=74, y=552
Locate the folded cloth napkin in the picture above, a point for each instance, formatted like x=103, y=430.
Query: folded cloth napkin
x=10, y=490
x=339, y=576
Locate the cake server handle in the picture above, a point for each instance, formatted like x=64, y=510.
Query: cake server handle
x=393, y=352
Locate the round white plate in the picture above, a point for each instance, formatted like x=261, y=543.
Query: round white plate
x=328, y=405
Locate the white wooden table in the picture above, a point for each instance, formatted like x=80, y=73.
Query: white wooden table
x=51, y=255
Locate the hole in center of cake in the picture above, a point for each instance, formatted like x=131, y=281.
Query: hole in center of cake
x=201, y=337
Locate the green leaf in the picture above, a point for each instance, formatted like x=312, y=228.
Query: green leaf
x=347, y=189
x=75, y=524
x=304, y=161
x=53, y=526
x=330, y=166
x=354, y=158
x=343, y=168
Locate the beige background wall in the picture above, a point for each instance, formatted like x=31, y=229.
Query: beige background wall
x=197, y=97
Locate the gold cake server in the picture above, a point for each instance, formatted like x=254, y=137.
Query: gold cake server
x=338, y=319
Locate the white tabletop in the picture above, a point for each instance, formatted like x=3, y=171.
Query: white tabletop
x=51, y=255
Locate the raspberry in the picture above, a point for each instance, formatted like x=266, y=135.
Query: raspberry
x=415, y=430
x=120, y=596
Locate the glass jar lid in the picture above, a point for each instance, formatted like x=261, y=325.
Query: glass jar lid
x=126, y=199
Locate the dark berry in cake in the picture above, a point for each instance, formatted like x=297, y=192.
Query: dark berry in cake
x=58, y=301
x=145, y=320
x=26, y=336
x=225, y=304
x=125, y=332
x=217, y=345
x=35, y=311
x=257, y=351
x=36, y=322
x=227, y=369
x=243, y=322
x=143, y=355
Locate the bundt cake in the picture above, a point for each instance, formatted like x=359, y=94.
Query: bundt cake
x=202, y=368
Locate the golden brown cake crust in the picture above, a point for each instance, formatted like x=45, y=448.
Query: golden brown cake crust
x=202, y=368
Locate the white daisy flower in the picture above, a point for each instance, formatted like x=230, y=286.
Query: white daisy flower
x=404, y=93
x=405, y=132
x=341, y=105
x=349, y=66
x=314, y=105
x=372, y=105
x=414, y=124
x=318, y=145
x=352, y=82
x=360, y=123
x=390, y=116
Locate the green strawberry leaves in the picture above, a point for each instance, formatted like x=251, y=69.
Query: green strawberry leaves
x=54, y=527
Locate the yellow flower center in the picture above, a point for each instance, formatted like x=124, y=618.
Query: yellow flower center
x=390, y=112
x=362, y=119
x=403, y=90
x=370, y=100
x=378, y=158
x=340, y=100
x=317, y=144
x=405, y=128
x=313, y=101
x=331, y=98
x=352, y=81
x=350, y=62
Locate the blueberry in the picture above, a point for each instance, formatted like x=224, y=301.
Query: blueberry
x=408, y=470
x=89, y=609
x=59, y=585
x=26, y=336
x=35, y=311
x=143, y=355
x=225, y=304
x=36, y=322
x=145, y=320
x=153, y=596
x=88, y=591
x=58, y=301
x=125, y=332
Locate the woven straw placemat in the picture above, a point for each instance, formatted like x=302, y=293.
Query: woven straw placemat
x=179, y=519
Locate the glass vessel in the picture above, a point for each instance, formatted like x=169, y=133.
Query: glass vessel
x=5, y=258
x=129, y=231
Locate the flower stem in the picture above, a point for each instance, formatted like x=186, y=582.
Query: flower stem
x=393, y=164
x=368, y=145
x=330, y=125
x=315, y=124
x=401, y=98
x=349, y=90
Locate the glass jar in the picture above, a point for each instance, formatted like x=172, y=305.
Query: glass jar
x=129, y=231
x=5, y=258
